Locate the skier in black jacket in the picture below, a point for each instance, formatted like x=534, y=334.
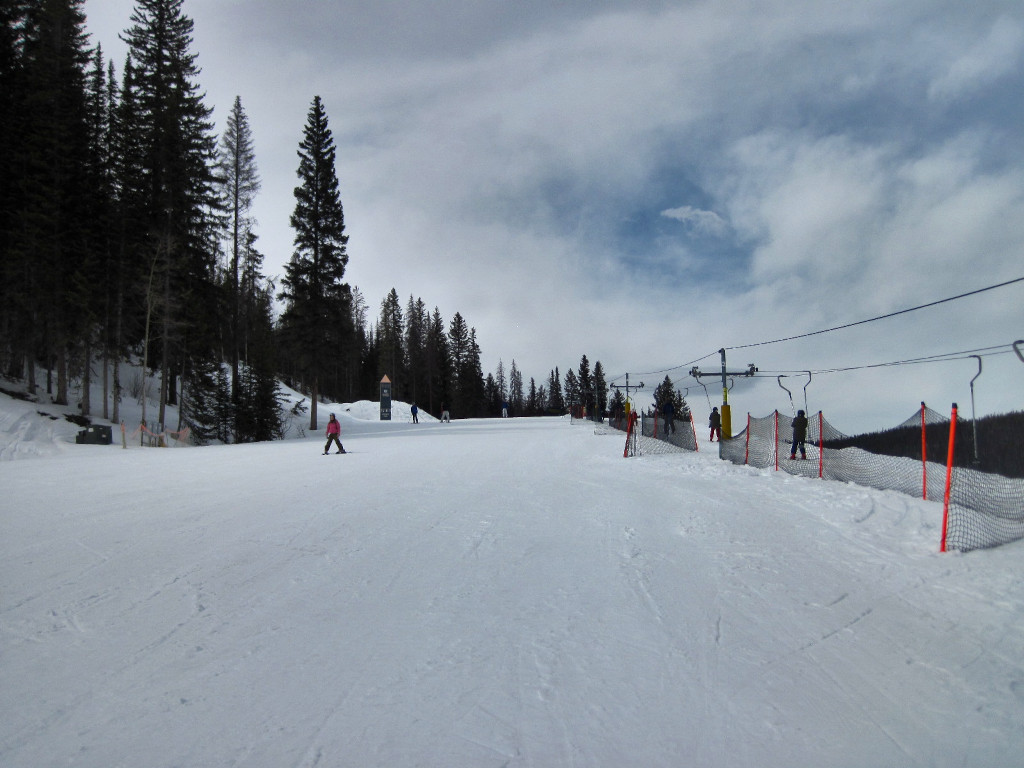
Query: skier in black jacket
x=799, y=435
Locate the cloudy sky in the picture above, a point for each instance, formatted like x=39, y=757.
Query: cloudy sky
x=646, y=182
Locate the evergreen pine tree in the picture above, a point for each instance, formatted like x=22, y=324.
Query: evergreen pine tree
x=14, y=322
x=316, y=326
x=438, y=363
x=179, y=203
x=416, y=321
x=600, y=388
x=239, y=184
x=515, y=390
x=46, y=188
x=391, y=346
x=471, y=379
x=492, y=395
x=618, y=408
x=534, y=399
x=101, y=291
x=556, y=403
x=459, y=352
x=571, y=392
x=501, y=383
x=358, y=358
x=132, y=255
x=586, y=385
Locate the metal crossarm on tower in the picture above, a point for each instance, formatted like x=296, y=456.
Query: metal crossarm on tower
x=726, y=413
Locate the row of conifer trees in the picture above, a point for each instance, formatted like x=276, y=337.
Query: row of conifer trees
x=126, y=234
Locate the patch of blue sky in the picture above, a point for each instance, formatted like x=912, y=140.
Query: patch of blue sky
x=674, y=231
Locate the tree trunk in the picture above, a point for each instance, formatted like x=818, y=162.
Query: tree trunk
x=86, y=405
x=106, y=384
x=62, y=376
x=312, y=407
x=165, y=362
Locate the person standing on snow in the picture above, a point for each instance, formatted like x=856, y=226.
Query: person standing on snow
x=415, y=414
x=799, y=435
x=715, y=422
x=333, y=435
x=669, y=410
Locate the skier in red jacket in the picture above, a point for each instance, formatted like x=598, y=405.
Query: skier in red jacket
x=333, y=434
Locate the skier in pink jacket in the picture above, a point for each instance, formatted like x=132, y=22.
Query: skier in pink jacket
x=333, y=434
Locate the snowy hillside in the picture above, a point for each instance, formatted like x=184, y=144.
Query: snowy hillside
x=485, y=593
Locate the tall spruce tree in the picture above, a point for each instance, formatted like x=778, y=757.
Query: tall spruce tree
x=416, y=322
x=555, y=404
x=12, y=89
x=467, y=388
x=571, y=392
x=257, y=414
x=515, y=390
x=391, y=344
x=180, y=205
x=132, y=250
x=240, y=182
x=586, y=384
x=459, y=352
x=45, y=192
x=471, y=379
x=534, y=399
x=600, y=388
x=99, y=294
x=438, y=363
x=316, y=326
x=358, y=380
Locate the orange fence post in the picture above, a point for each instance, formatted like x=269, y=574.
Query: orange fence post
x=949, y=477
x=630, y=433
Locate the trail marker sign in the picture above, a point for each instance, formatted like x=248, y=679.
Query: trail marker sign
x=385, y=399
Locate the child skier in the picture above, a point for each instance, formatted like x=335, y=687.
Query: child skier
x=333, y=434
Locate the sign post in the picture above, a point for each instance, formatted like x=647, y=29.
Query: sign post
x=385, y=399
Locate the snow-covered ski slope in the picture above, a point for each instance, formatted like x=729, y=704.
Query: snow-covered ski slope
x=489, y=593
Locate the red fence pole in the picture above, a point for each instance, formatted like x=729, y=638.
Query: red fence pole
x=821, y=446
x=949, y=477
x=746, y=449
x=924, y=457
x=630, y=433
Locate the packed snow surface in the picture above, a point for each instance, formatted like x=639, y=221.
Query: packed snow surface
x=486, y=593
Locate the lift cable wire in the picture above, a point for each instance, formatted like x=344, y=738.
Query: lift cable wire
x=837, y=328
x=667, y=370
x=881, y=317
x=1003, y=349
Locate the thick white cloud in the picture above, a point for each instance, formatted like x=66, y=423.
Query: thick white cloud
x=985, y=60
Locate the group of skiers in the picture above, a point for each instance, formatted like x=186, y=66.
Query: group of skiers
x=714, y=422
x=799, y=425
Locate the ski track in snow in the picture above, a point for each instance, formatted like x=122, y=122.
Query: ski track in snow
x=491, y=594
